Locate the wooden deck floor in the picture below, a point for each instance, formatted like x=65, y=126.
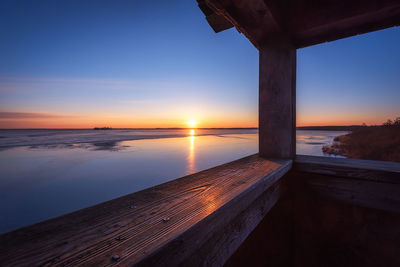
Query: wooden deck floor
x=123, y=231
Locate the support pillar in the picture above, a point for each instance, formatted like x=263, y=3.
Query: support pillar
x=277, y=99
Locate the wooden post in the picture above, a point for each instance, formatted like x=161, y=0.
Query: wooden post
x=277, y=99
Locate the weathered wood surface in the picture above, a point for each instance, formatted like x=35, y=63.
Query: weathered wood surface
x=333, y=229
x=250, y=17
x=370, y=184
x=153, y=221
x=307, y=22
x=338, y=212
x=277, y=99
x=217, y=21
x=272, y=242
x=379, y=171
x=315, y=22
x=215, y=239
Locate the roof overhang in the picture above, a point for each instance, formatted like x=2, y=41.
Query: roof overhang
x=305, y=22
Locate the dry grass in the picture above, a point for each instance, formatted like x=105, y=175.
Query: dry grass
x=374, y=143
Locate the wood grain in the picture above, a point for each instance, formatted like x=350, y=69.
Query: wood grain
x=379, y=171
x=366, y=183
x=147, y=222
x=343, y=221
x=277, y=99
x=307, y=22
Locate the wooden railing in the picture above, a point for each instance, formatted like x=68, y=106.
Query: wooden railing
x=338, y=212
x=346, y=212
x=196, y=219
x=367, y=183
x=205, y=218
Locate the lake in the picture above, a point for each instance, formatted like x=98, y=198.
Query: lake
x=47, y=173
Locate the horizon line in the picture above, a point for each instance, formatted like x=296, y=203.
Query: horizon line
x=177, y=128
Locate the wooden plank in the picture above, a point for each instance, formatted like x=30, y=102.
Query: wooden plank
x=379, y=171
x=214, y=240
x=271, y=243
x=253, y=18
x=147, y=222
x=317, y=22
x=216, y=21
x=277, y=99
x=307, y=22
x=366, y=183
x=333, y=232
x=369, y=194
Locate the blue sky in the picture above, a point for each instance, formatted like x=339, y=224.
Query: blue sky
x=79, y=64
x=354, y=79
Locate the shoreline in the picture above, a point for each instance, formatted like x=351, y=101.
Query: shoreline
x=308, y=128
x=370, y=143
x=57, y=137
x=108, y=138
x=336, y=148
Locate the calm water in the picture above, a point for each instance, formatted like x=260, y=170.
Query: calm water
x=44, y=174
x=311, y=142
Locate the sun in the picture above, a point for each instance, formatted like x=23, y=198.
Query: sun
x=192, y=123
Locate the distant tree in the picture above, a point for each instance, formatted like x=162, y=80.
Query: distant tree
x=397, y=122
x=388, y=123
x=364, y=124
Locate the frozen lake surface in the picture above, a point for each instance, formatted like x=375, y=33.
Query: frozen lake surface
x=47, y=173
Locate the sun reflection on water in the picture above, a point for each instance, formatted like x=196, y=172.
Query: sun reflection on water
x=191, y=155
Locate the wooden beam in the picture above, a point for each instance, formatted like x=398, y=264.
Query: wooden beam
x=169, y=223
x=217, y=21
x=277, y=99
x=372, y=170
x=213, y=241
x=323, y=30
x=250, y=17
x=272, y=242
x=366, y=183
x=306, y=22
x=344, y=221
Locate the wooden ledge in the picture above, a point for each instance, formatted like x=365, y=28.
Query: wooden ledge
x=166, y=224
x=378, y=171
x=366, y=183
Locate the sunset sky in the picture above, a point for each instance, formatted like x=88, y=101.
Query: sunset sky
x=81, y=64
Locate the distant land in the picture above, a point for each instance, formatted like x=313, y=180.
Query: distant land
x=331, y=128
x=314, y=128
x=369, y=142
x=110, y=128
x=102, y=128
x=71, y=137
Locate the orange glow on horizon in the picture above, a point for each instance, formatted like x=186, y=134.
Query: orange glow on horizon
x=125, y=121
x=178, y=119
x=339, y=121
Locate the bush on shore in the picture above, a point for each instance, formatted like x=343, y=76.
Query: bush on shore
x=369, y=142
